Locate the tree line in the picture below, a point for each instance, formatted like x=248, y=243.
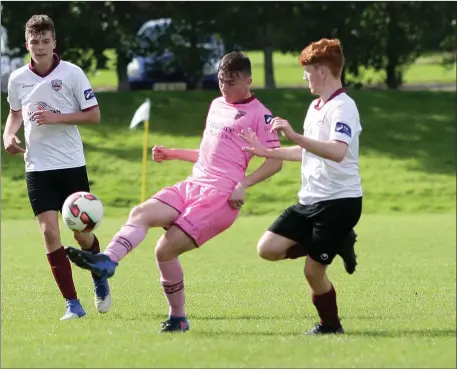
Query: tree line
x=380, y=35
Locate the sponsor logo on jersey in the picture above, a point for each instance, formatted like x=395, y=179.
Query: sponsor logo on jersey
x=89, y=94
x=344, y=129
x=56, y=84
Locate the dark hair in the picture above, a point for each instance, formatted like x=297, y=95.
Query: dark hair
x=235, y=63
x=39, y=24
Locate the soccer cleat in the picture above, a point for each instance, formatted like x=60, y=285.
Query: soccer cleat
x=99, y=264
x=102, y=296
x=173, y=325
x=347, y=252
x=74, y=310
x=322, y=329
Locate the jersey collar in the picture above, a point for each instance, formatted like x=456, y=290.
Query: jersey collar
x=245, y=101
x=335, y=94
x=55, y=63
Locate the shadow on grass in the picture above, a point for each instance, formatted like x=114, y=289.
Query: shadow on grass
x=382, y=333
x=431, y=333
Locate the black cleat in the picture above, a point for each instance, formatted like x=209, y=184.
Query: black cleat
x=175, y=325
x=322, y=329
x=347, y=252
x=99, y=264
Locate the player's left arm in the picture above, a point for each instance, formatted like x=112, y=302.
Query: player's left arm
x=266, y=170
x=269, y=140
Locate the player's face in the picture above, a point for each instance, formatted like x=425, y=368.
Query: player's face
x=41, y=46
x=234, y=87
x=315, y=76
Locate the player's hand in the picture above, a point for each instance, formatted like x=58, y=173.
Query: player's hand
x=160, y=153
x=281, y=125
x=255, y=148
x=11, y=143
x=238, y=196
x=46, y=117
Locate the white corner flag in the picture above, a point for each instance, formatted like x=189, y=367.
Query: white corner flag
x=142, y=114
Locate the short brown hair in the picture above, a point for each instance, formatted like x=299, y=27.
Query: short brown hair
x=235, y=63
x=38, y=24
x=325, y=51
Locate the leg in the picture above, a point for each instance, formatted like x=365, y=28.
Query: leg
x=45, y=204
x=273, y=247
x=208, y=213
x=74, y=180
x=287, y=237
x=324, y=298
x=172, y=244
x=330, y=234
x=151, y=213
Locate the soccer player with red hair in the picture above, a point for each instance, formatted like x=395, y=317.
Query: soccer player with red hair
x=320, y=226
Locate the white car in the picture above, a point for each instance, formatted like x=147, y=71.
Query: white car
x=9, y=64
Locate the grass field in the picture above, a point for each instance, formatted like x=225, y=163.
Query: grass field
x=426, y=69
x=407, y=150
x=398, y=309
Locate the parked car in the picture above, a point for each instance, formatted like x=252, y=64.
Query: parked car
x=160, y=71
x=8, y=63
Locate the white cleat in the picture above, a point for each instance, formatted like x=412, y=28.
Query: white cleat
x=102, y=305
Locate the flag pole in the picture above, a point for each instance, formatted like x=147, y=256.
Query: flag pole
x=145, y=159
x=142, y=114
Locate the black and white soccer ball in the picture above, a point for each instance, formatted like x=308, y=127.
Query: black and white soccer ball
x=82, y=212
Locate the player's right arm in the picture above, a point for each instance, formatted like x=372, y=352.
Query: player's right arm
x=161, y=153
x=13, y=122
x=10, y=140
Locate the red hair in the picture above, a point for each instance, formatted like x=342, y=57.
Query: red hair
x=325, y=51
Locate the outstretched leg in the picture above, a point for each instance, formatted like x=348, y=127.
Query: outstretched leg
x=151, y=213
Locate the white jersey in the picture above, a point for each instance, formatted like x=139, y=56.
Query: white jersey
x=322, y=179
x=65, y=89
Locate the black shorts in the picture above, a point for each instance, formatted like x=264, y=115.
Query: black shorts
x=49, y=189
x=321, y=228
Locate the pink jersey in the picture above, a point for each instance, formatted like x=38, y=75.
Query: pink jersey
x=221, y=162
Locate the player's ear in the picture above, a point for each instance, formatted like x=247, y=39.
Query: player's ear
x=55, y=44
x=26, y=45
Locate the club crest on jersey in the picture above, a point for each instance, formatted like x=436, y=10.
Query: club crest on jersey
x=56, y=84
x=343, y=128
x=89, y=94
x=268, y=118
x=240, y=114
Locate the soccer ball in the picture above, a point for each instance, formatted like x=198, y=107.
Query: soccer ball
x=82, y=212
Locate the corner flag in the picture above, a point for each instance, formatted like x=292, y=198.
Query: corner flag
x=142, y=115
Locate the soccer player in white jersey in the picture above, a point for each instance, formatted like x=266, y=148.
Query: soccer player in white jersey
x=51, y=97
x=321, y=224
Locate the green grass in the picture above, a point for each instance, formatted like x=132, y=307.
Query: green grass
x=407, y=151
x=398, y=309
x=426, y=69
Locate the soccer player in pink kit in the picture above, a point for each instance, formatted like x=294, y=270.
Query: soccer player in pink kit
x=206, y=203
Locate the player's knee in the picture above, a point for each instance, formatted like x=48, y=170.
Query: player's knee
x=50, y=234
x=165, y=252
x=314, y=272
x=266, y=251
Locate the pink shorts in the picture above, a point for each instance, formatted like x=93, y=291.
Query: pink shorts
x=204, y=211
